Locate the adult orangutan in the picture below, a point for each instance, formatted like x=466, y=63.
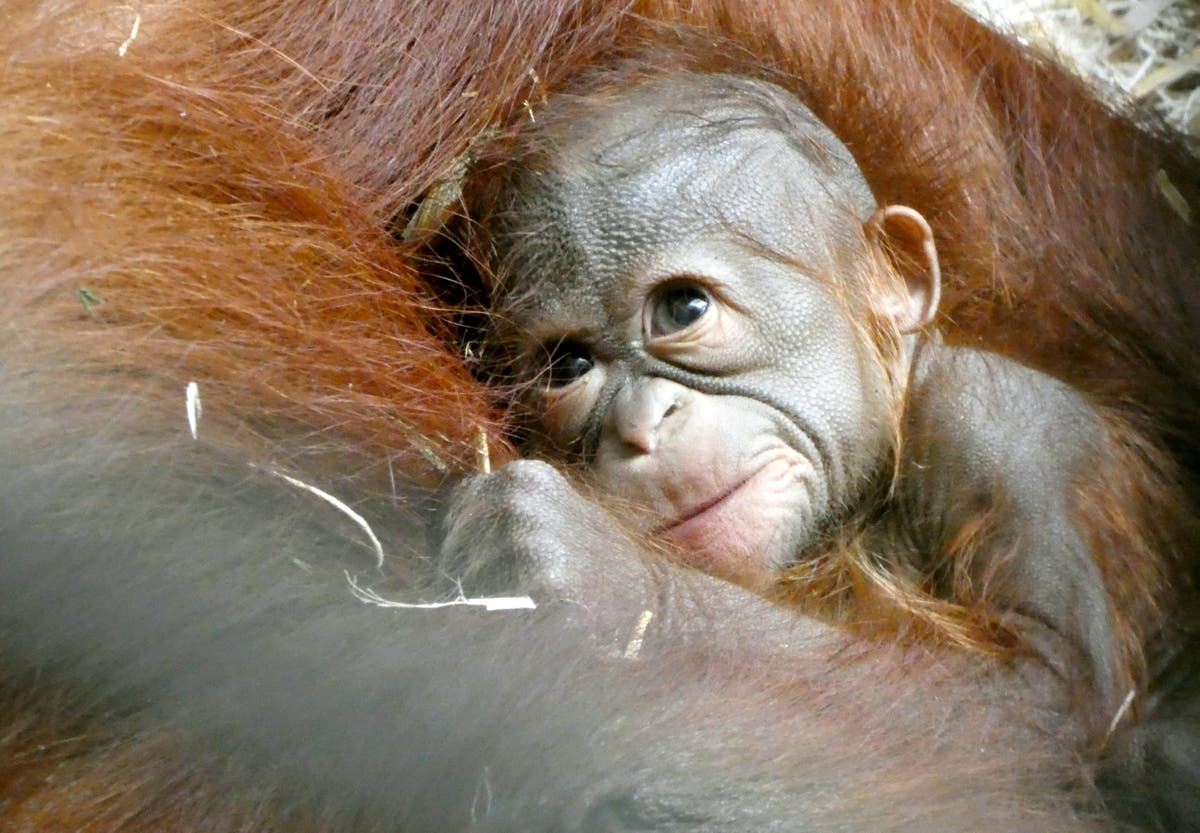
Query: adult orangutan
x=207, y=203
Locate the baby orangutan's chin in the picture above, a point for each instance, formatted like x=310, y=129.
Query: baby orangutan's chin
x=741, y=534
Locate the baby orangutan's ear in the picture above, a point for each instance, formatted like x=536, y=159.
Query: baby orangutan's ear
x=907, y=239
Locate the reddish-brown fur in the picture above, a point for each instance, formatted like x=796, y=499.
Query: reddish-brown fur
x=220, y=199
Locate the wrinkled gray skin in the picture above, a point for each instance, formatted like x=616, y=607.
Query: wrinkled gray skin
x=748, y=432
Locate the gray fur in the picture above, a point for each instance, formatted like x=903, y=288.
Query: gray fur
x=150, y=576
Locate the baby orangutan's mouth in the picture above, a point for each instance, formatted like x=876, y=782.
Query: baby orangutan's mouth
x=698, y=512
x=730, y=535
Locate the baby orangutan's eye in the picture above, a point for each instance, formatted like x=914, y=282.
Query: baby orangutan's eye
x=569, y=362
x=675, y=307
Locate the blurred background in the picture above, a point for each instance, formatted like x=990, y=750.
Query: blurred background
x=1134, y=51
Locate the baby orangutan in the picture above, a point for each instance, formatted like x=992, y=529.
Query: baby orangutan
x=724, y=332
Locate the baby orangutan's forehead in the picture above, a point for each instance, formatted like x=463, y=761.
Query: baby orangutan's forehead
x=591, y=217
x=729, y=163
x=747, y=185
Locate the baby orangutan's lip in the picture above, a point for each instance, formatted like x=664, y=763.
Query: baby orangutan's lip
x=736, y=533
x=715, y=504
